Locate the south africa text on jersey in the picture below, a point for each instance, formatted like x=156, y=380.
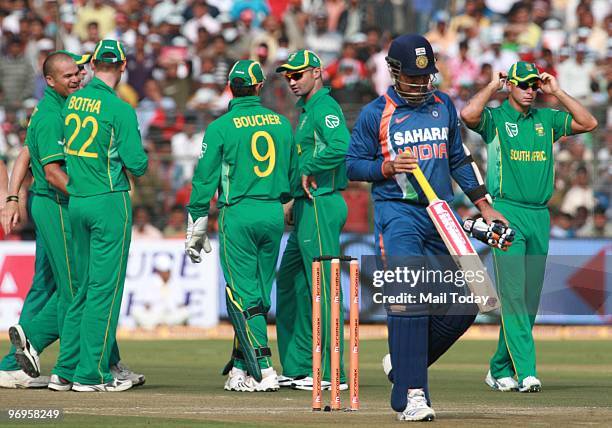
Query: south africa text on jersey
x=256, y=120
x=85, y=104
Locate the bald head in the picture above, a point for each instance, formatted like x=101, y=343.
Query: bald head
x=52, y=62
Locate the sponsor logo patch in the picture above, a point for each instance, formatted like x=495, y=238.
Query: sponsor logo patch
x=512, y=129
x=332, y=121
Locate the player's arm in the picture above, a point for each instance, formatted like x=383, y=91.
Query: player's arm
x=331, y=128
x=3, y=182
x=56, y=176
x=130, y=148
x=581, y=119
x=11, y=213
x=465, y=172
x=205, y=182
x=472, y=113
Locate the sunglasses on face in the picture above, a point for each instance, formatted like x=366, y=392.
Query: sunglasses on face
x=295, y=76
x=535, y=85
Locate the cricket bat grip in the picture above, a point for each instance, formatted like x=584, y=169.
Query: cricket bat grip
x=424, y=184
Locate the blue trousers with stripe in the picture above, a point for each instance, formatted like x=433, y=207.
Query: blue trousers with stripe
x=415, y=341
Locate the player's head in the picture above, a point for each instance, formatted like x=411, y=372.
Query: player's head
x=412, y=66
x=81, y=62
x=246, y=78
x=303, y=72
x=61, y=73
x=523, y=83
x=109, y=58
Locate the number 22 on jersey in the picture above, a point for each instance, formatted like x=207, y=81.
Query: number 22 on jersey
x=81, y=125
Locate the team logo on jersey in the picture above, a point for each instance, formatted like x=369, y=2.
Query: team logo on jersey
x=435, y=113
x=203, y=150
x=421, y=61
x=332, y=121
x=512, y=129
x=539, y=129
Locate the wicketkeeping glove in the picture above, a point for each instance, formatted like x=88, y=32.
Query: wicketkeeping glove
x=496, y=234
x=197, y=238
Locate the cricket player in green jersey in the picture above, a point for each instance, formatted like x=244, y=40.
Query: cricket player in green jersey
x=249, y=157
x=319, y=213
x=52, y=289
x=102, y=142
x=520, y=177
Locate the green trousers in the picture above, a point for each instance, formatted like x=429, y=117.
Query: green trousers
x=101, y=227
x=52, y=225
x=42, y=289
x=249, y=242
x=520, y=275
x=318, y=224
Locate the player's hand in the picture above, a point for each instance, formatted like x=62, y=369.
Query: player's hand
x=490, y=214
x=496, y=234
x=10, y=216
x=405, y=162
x=288, y=210
x=549, y=84
x=308, y=182
x=197, y=238
x=499, y=80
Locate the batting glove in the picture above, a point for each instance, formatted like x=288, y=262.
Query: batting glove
x=197, y=238
x=496, y=234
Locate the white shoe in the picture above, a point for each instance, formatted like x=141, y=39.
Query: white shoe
x=115, y=385
x=530, y=384
x=237, y=381
x=57, y=383
x=417, y=408
x=25, y=354
x=305, y=384
x=503, y=384
x=122, y=372
x=269, y=381
x=18, y=379
x=386, y=364
x=285, y=381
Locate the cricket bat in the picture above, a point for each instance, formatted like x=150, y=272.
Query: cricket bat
x=458, y=244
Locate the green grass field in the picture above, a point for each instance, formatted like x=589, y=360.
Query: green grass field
x=184, y=388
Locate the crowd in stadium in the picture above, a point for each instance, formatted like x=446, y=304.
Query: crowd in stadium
x=180, y=52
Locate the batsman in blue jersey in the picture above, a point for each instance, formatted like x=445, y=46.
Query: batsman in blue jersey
x=413, y=124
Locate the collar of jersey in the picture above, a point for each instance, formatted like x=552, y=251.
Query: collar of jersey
x=244, y=101
x=513, y=113
x=312, y=101
x=49, y=92
x=100, y=84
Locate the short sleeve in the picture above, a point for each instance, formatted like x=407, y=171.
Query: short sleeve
x=561, y=123
x=486, y=126
x=51, y=137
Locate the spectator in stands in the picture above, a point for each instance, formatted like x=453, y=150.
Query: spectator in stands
x=576, y=74
x=472, y=17
x=295, y=21
x=561, y=226
x=351, y=19
x=186, y=149
x=201, y=19
x=16, y=74
x=175, y=227
x=122, y=31
x=327, y=44
x=443, y=39
x=499, y=58
x=140, y=65
x=596, y=227
x=463, y=68
x=94, y=11
x=152, y=107
x=580, y=194
x=529, y=33
x=142, y=228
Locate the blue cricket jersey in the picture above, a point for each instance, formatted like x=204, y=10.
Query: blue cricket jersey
x=388, y=126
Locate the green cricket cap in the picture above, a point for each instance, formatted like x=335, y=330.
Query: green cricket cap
x=522, y=71
x=106, y=47
x=249, y=71
x=300, y=60
x=79, y=59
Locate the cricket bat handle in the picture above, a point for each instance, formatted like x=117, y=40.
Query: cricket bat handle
x=429, y=192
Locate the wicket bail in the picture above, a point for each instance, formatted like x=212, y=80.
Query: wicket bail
x=335, y=332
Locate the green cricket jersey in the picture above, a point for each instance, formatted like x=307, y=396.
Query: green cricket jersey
x=45, y=141
x=246, y=153
x=322, y=139
x=520, y=164
x=101, y=139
